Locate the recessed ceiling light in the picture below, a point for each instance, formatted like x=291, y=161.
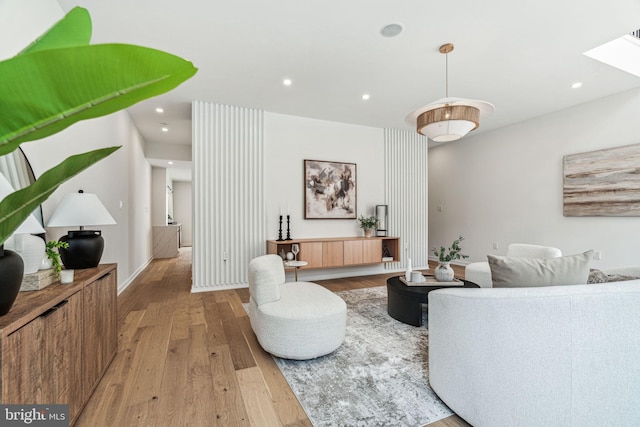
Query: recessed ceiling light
x=170, y=163
x=159, y=110
x=366, y=96
x=576, y=85
x=287, y=82
x=164, y=127
x=391, y=30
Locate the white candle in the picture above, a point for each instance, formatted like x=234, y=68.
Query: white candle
x=66, y=276
x=287, y=208
x=280, y=208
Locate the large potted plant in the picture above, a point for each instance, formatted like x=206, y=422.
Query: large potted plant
x=443, y=272
x=56, y=81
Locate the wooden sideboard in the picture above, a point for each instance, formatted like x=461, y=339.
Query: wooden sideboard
x=57, y=343
x=340, y=251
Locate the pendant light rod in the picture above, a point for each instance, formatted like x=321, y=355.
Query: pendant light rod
x=448, y=119
x=445, y=49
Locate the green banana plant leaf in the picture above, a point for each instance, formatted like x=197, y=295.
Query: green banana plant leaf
x=59, y=80
x=72, y=30
x=44, y=92
x=17, y=206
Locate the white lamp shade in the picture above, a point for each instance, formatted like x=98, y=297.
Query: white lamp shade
x=80, y=209
x=31, y=224
x=448, y=130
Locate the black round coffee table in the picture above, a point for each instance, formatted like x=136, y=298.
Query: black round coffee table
x=404, y=303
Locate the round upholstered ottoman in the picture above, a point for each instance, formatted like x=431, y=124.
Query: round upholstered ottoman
x=307, y=321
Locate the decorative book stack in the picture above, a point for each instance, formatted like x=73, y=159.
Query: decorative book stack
x=38, y=280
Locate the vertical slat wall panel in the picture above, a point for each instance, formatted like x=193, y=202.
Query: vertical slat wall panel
x=228, y=194
x=406, y=193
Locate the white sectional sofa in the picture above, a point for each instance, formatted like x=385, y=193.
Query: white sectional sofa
x=538, y=356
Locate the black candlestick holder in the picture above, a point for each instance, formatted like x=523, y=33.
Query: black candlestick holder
x=288, y=229
x=280, y=239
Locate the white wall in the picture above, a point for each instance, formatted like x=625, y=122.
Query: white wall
x=289, y=140
x=159, y=196
x=139, y=208
x=157, y=150
x=182, y=202
x=121, y=181
x=505, y=186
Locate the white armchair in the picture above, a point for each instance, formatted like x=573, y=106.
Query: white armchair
x=294, y=320
x=480, y=273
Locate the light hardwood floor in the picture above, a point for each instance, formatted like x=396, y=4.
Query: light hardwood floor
x=191, y=359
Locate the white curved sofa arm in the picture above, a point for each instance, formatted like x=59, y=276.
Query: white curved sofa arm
x=550, y=356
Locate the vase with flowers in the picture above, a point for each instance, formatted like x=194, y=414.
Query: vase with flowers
x=443, y=272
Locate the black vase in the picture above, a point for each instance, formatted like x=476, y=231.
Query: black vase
x=84, y=251
x=11, y=272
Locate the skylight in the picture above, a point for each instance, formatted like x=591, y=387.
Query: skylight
x=622, y=53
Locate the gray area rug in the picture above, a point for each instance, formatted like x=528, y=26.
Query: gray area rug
x=378, y=377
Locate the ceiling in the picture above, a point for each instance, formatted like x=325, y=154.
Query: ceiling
x=520, y=56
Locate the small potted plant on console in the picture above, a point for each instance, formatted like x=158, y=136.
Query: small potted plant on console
x=368, y=224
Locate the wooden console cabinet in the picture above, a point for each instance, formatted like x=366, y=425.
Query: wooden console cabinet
x=57, y=343
x=340, y=251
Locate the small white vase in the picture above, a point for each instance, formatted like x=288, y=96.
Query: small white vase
x=407, y=275
x=46, y=263
x=444, y=272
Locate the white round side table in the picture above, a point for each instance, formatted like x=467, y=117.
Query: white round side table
x=296, y=265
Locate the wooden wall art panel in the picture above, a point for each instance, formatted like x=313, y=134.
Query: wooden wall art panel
x=603, y=183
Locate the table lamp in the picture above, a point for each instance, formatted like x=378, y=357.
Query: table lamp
x=85, y=246
x=30, y=248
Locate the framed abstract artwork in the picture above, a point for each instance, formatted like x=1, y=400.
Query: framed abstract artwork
x=603, y=183
x=329, y=190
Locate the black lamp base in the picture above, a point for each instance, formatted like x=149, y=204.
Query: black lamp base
x=84, y=251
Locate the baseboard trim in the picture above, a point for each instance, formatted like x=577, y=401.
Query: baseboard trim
x=211, y=288
x=303, y=276
x=131, y=278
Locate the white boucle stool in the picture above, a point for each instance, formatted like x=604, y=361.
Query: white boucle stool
x=295, y=320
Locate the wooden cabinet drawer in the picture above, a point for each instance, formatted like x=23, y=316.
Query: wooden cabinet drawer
x=332, y=254
x=352, y=252
x=311, y=252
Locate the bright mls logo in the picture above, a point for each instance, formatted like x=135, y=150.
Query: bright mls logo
x=34, y=415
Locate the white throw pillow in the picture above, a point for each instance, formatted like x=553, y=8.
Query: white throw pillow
x=509, y=272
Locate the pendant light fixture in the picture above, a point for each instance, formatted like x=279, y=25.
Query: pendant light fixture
x=449, y=118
